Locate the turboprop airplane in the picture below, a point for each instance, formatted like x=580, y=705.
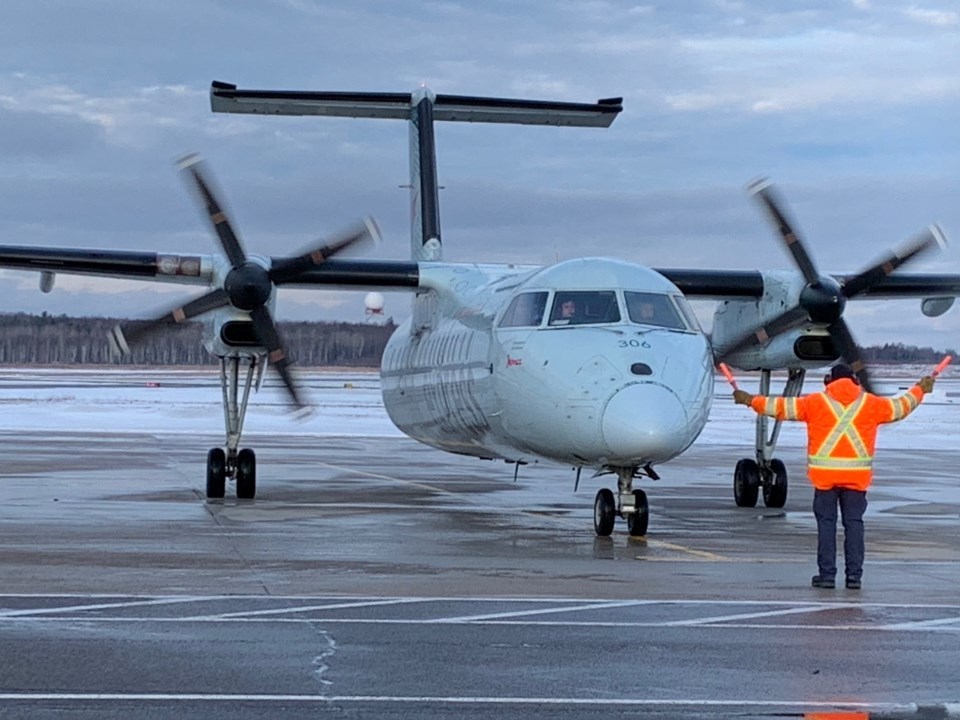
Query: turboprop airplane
x=592, y=362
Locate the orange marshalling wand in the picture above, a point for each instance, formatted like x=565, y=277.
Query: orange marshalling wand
x=729, y=375
x=943, y=363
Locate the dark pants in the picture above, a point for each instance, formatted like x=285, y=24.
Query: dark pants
x=852, y=505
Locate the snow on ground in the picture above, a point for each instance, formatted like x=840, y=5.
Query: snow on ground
x=348, y=402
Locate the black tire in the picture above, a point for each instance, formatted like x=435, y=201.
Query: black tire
x=638, y=521
x=775, y=488
x=246, y=474
x=604, y=512
x=216, y=473
x=746, y=483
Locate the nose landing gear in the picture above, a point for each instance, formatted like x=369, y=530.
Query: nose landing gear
x=629, y=504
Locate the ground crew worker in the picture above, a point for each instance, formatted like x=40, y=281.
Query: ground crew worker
x=842, y=423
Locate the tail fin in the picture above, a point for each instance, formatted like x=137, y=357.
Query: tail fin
x=421, y=108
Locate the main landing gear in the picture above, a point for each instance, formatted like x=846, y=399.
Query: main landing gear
x=629, y=504
x=231, y=463
x=766, y=473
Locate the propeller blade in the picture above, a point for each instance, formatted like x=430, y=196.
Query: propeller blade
x=930, y=237
x=763, y=191
x=191, y=165
x=121, y=340
x=781, y=323
x=847, y=347
x=276, y=354
x=288, y=269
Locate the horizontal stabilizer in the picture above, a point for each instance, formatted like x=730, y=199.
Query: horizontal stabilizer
x=225, y=97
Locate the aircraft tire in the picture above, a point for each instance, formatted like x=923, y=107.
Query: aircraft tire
x=246, y=474
x=604, y=512
x=775, y=488
x=746, y=483
x=638, y=521
x=216, y=473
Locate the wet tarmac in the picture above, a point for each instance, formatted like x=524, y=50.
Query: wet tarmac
x=373, y=576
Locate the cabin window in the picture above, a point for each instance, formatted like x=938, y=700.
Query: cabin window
x=655, y=309
x=584, y=307
x=525, y=310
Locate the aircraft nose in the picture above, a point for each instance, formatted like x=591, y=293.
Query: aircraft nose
x=645, y=421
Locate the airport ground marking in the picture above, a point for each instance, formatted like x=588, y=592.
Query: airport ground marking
x=305, y=608
x=26, y=612
x=917, y=624
x=944, y=709
x=540, y=611
x=720, y=619
x=521, y=618
x=700, y=554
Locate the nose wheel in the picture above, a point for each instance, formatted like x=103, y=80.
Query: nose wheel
x=604, y=513
x=630, y=504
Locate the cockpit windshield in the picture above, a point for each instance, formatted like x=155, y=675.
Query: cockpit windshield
x=584, y=307
x=645, y=308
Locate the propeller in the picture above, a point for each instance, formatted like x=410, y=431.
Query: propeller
x=248, y=285
x=823, y=299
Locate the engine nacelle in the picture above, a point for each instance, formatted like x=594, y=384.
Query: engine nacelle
x=231, y=334
x=808, y=346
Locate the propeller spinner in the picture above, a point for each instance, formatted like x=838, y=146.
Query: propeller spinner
x=248, y=285
x=823, y=299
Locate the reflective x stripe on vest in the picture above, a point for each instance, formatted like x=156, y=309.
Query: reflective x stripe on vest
x=843, y=429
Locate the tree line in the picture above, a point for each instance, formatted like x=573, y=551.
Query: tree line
x=61, y=340
x=898, y=353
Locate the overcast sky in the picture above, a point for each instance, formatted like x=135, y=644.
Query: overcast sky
x=850, y=106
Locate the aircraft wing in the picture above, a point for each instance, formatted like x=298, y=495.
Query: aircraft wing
x=185, y=269
x=728, y=284
x=373, y=274
x=198, y=269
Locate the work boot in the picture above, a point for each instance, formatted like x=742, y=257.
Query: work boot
x=823, y=582
x=853, y=584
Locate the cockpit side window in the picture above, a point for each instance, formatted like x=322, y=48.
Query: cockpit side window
x=582, y=307
x=687, y=312
x=525, y=310
x=656, y=309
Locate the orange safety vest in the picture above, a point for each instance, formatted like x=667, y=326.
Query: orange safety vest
x=842, y=424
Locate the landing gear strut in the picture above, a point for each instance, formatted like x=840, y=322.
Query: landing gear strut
x=231, y=463
x=629, y=504
x=766, y=472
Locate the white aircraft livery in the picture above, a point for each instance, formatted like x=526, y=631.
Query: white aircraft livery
x=593, y=362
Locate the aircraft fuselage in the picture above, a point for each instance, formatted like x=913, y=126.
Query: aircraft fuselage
x=467, y=374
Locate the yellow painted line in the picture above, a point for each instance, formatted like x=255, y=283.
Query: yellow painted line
x=703, y=554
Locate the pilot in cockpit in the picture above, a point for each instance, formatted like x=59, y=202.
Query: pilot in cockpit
x=648, y=313
x=568, y=311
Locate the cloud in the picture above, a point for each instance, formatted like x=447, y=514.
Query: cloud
x=842, y=103
x=942, y=18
